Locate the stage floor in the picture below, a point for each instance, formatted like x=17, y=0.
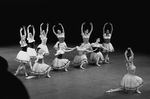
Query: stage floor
x=90, y=83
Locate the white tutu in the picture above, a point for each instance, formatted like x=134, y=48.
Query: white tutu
x=95, y=56
x=131, y=82
x=40, y=68
x=60, y=63
x=31, y=52
x=45, y=48
x=23, y=56
x=79, y=59
x=108, y=46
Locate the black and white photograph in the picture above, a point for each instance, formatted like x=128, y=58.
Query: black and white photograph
x=75, y=49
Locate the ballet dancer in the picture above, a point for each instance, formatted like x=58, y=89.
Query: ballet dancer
x=130, y=81
x=59, y=62
x=39, y=67
x=86, y=35
x=107, y=37
x=43, y=36
x=22, y=57
x=61, y=48
x=81, y=59
x=61, y=37
x=31, y=44
x=97, y=56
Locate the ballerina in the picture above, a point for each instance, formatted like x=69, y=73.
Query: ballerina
x=43, y=36
x=31, y=44
x=97, y=55
x=81, y=59
x=86, y=35
x=39, y=67
x=61, y=48
x=130, y=81
x=107, y=37
x=61, y=37
x=59, y=62
x=22, y=56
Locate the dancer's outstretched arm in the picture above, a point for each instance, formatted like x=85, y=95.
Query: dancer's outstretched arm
x=111, y=28
x=47, y=29
x=91, y=28
x=82, y=28
x=63, y=31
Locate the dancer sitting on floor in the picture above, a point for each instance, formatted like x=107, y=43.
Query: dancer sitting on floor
x=97, y=56
x=31, y=44
x=22, y=57
x=39, y=67
x=43, y=36
x=61, y=48
x=107, y=37
x=130, y=81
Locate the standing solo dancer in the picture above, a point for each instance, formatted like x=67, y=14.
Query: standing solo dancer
x=107, y=37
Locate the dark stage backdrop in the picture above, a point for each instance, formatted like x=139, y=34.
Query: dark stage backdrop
x=130, y=19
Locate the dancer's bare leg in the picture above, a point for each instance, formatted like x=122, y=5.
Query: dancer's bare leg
x=24, y=69
x=97, y=62
x=115, y=90
x=18, y=69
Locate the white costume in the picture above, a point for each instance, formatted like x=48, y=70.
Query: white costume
x=107, y=43
x=31, y=50
x=43, y=45
x=130, y=81
x=81, y=57
x=97, y=52
x=59, y=62
x=39, y=66
x=23, y=56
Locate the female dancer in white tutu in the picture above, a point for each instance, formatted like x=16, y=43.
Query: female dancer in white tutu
x=31, y=44
x=22, y=57
x=97, y=56
x=61, y=48
x=81, y=59
x=61, y=37
x=86, y=35
x=130, y=81
x=43, y=36
x=107, y=37
x=39, y=67
x=59, y=62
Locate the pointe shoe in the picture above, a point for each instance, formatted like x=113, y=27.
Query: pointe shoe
x=48, y=76
x=81, y=67
x=137, y=91
x=16, y=74
x=98, y=64
x=110, y=90
x=66, y=70
x=30, y=77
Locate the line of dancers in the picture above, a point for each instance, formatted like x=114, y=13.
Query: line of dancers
x=99, y=54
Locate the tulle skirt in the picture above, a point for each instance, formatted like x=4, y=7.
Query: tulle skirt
x=45, y=48
x=94, y=56
x=79, y=59
x=31, y=52
x=109, y=46
x=60, y=63
x=131, y=82
x=23, y=56
x=40, y=68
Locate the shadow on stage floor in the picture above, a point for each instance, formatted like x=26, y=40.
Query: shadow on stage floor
x=90, y=83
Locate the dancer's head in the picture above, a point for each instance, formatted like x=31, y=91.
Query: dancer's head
x=86, y=31
x=59, y=31
x=98, y=40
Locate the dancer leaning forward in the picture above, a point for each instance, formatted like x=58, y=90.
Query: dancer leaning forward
x=40, y=68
